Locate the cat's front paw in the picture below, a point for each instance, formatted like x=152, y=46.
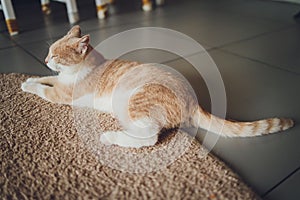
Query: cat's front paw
x=28, y=86
x=33, y=87
x=30, y=80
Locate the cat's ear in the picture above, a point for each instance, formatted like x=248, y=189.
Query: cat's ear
x=83, y=44
x=74, y=32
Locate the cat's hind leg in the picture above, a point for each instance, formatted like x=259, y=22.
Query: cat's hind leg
x=124, y=139
x=138, y=133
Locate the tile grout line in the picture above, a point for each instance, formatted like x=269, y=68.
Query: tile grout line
x=238, y=41
x=262, y=17
x=229, y=52
x=291, y=26
x=8, y=47
x=221, y=48
x=280, y=182
x=25, y=50
x=30, y=54
x=258, y=61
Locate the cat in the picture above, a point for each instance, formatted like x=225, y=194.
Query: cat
x=146, y=87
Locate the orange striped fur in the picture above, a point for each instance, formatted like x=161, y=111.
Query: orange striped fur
x=145, y=97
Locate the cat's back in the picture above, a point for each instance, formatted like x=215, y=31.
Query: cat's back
x=132, y=75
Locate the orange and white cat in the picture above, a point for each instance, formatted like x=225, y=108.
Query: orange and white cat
x=131, y=99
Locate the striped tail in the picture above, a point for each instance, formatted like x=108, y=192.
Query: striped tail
x=228, y=128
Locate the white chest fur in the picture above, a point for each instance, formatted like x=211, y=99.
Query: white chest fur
x=71, y=78
x=67, y=78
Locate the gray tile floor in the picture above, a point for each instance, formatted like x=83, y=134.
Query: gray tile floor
x=255, y=44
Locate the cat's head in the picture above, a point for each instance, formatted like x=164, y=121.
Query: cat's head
x=68, y=53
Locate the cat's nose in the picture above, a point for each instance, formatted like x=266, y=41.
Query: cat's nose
x=46, y=60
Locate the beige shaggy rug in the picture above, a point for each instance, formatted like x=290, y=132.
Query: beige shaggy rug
x=50, y=151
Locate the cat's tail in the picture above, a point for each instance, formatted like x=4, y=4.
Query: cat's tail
x=228, y=128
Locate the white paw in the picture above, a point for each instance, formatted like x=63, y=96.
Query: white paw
x=32, y=80
x=123, y=139
x=147, y=7
x=26, y=86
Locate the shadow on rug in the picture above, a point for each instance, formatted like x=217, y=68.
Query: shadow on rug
x=44, y=157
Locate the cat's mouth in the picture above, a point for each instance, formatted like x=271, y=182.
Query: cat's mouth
x=63, y=69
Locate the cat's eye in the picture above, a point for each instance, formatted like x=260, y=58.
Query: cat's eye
x=54, y=56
